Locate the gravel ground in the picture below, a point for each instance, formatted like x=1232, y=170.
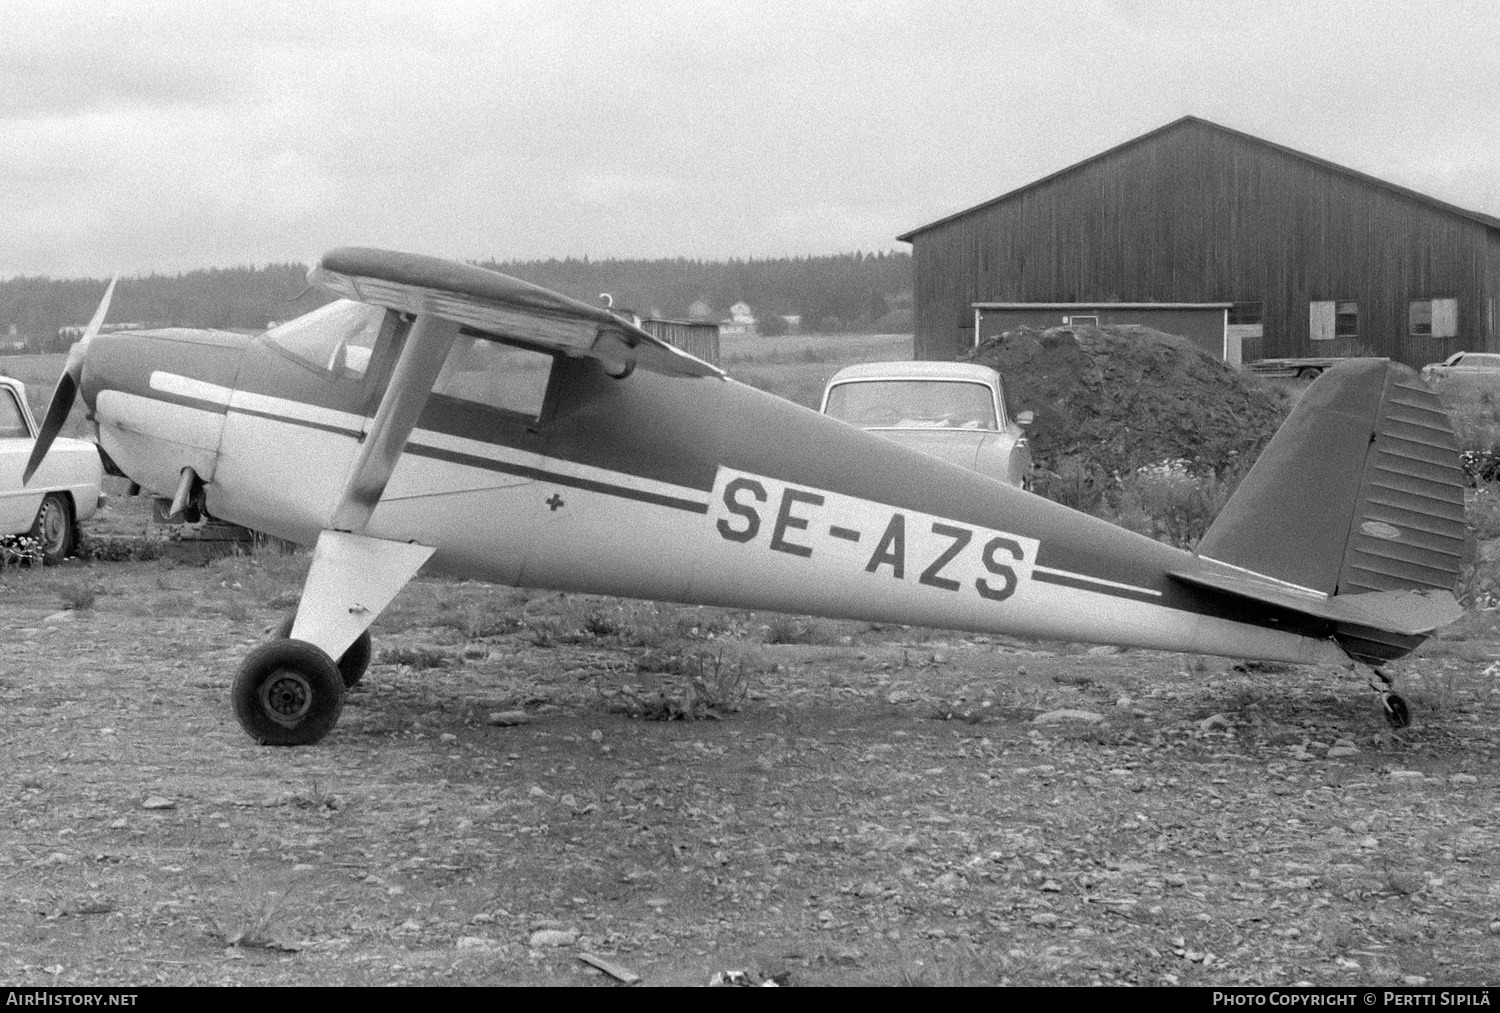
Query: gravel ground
x=835, y=803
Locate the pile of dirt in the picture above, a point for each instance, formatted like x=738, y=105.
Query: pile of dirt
x=1108, y=400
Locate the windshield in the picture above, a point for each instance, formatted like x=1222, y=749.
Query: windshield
x=338, y=337
x=913, y=404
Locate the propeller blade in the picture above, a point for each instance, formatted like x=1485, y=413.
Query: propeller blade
x=67, y=388
x=57, y=414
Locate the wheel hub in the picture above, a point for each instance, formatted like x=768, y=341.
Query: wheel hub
x=286, y=697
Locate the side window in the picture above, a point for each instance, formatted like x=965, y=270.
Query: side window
x=1346, y=320
x=1436, y=318
x=338, y=337
x=1328, y=319
x=12, y=422
x=499, y=376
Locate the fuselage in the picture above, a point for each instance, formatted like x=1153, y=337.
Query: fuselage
x=698, y=490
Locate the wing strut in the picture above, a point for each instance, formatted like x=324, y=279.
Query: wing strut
x=416, y=370
x=353, y=576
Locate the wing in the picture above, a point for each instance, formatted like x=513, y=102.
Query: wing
x=499, y=306
x=447, y=299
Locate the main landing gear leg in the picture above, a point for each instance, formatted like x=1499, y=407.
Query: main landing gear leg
x=290, y=691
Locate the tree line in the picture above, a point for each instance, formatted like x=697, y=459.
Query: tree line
x=855, y=291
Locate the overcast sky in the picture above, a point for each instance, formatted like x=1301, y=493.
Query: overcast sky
x=166, y=136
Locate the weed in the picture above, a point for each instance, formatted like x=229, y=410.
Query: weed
x=252, y=926
x=77, y=594
x=416, y=658
x=20, y=550
x=1169, y=502
x=601, y=624
x=721, y=686
x=709, y=689
x=793, y=630
x=542, y=633
x=703, y=625
x=122, y=548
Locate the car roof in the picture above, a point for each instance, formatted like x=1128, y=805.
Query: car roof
x=916, y=370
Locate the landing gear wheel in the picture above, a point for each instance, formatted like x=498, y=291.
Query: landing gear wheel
x=288, y=693
x=54, y=528
x=1309, y=375
x=1396, y=713
x=352, y=663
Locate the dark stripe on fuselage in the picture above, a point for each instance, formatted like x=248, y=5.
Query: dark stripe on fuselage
x=323, y=427
x=541, y=475
x=1084, y=584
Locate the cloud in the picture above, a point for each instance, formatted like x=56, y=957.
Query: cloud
x=182, y=134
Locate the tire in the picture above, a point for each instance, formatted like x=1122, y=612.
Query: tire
x=288, y=693
x=353, y=663
x=54, y=528
x=1309, y=375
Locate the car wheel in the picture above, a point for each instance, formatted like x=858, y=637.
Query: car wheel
x=53, y=528
x=353, y=663
x=1309, y=374
x=288, y=693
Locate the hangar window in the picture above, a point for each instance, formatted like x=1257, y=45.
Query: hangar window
x=1245, y=313
x=498, y=376
x=1437, y=318
x=1346, y=320
x=1329, y=319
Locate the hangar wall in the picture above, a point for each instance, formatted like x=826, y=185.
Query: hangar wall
x=1196, y=212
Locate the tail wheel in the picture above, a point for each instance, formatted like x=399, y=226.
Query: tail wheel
x=1397, y=714
x=288, y=693
x=352, y=663
x=54, y=529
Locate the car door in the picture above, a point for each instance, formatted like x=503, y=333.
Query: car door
x=18, y=505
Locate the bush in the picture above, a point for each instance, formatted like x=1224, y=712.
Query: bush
x=1168, y=502
x=769, y=325
x=78, y=595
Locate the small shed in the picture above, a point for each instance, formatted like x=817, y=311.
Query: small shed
x=1205, y=324
x=696, y=337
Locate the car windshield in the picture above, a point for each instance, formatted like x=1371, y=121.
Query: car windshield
x=338, y=337
x=913, y=404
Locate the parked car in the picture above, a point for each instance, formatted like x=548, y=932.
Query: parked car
x=952, y=410
x=64, y=491
x=1478, y=366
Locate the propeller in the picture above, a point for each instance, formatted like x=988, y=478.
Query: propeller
x=67, y=387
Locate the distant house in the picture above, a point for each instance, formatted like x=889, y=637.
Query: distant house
x=741, y=320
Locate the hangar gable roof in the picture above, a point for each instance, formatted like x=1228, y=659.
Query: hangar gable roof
x=1476, y=216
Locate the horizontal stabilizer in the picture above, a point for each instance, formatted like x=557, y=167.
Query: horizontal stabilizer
x=496, y=304
x=1403, y=612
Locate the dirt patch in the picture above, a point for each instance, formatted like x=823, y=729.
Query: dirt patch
x=1110, y=400
x=856, y=804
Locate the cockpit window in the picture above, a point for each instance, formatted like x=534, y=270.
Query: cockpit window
x=338, y=337
x=496, y=375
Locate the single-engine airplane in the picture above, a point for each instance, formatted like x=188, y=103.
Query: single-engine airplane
x=443, y=415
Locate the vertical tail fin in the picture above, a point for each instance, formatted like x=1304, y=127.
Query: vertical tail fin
x=1360, y=490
